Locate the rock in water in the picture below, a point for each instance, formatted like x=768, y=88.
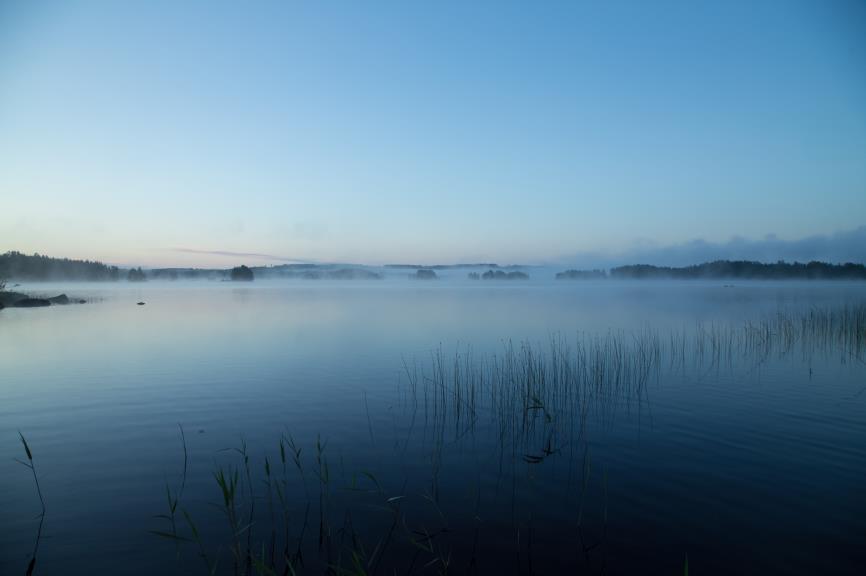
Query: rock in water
x=141, y=303
x=31, y=303
x=62, y=299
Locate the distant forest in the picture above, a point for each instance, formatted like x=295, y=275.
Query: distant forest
x=445, y=266
x=747, y=270
x=18, y=266
x=581, y=275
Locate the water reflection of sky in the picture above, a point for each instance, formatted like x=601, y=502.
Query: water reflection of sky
x=99, y=388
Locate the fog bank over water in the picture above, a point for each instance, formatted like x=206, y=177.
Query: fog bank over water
x=838, y=247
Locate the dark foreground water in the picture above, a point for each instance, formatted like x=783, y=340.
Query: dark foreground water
x=535, y=428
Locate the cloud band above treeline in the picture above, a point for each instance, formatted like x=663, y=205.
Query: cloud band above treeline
x=839, y=247
x=254, y=255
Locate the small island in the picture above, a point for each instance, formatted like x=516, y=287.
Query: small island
x=241, y=274
x=20, y=300
x=501, y=275
x=424, y=274
x=581, y=275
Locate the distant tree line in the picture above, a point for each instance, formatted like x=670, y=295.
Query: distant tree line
x=500, y=275
x=313, y=272
x=18, y=266
x=581, y=275
x=424, y=274
x=187, y=274
x=746, y=270
x=241, y=274
x=136, y=275
x=443, y=266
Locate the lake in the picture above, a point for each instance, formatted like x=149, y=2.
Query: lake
x=438, y=426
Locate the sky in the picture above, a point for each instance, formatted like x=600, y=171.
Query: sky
x=216, y=133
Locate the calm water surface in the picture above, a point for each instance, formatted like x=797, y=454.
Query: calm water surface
x=748, y=463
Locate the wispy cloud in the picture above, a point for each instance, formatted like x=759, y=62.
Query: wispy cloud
x=230, y=254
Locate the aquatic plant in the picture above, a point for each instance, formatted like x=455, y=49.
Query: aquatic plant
x=32, y=466
x=31, y=565
x=538, y=403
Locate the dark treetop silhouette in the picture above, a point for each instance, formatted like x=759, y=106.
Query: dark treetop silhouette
x=242, y=273
x=744, y=269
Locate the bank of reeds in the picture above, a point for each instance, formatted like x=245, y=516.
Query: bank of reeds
x=537, y=401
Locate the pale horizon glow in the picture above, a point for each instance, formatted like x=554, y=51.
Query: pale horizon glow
x=215, y=133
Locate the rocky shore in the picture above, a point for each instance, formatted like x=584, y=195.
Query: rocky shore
x=20, y=300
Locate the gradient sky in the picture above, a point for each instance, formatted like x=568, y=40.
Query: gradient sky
x=435, y=132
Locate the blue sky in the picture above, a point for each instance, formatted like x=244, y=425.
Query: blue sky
x=434, y=132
